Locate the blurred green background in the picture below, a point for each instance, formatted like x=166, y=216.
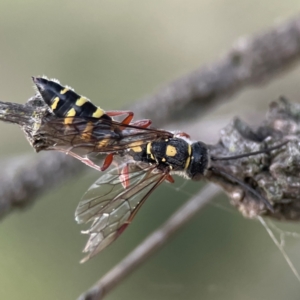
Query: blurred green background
x=114, y=52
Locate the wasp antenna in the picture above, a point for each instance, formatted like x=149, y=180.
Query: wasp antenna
x=246, y=187
x=214, y=158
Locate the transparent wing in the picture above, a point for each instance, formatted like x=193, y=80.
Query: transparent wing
x=111, y=206
x=87, y=139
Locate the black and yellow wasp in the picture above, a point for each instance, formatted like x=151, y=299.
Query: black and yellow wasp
x=82, y=129
x=137, y=158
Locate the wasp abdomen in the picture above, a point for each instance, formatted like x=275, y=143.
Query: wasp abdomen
x=64, y=102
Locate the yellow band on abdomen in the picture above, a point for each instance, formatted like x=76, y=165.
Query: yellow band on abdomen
x=98, y=113
x=81, y=101
x=55, y=102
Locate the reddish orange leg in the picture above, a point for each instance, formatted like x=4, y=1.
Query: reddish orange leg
x=107, y=161
x=124, y=177
x=114, y=113
x=142, y=123
x=170, y=178
x=183, y=134
x=85, y=160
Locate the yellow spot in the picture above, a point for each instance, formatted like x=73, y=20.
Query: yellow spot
x=163, y=159
x=136, y=144
x=64, y=91
x=188, y=160
x=71, y=113
x=81, y=101
x=103, y=143
x=54, y=104
x=87, y=132
x=189, y=150
x=68, y=120
x=137, y=149
x=98, y=113
x=69, y=116
x=171, y=151
x=148, y=150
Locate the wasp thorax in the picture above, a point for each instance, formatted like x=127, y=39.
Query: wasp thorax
x=176, y=154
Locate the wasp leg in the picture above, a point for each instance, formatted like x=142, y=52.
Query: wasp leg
x=85, y=160
x=182, y=134
x=107, y=161
x=124, y=177
x=142, y=123
x=114, y=113
x=170, y=178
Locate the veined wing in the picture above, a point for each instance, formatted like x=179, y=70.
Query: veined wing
x=87, y=138
x=112, y=207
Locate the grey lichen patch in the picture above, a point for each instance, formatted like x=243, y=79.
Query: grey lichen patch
x=274, y=174
x=238, y=138
x=38, y=115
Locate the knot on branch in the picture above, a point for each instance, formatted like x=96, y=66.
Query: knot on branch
x=274, y=174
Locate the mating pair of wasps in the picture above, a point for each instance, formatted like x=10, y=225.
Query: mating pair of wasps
x=135, y=157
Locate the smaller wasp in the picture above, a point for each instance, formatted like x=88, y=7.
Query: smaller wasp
x=140, y=159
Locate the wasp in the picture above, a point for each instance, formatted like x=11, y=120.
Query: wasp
x=137, y=159
x=79, y=128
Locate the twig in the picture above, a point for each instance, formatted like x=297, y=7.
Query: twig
x=151, y=244
x=15, y=113
x=20, y=187
x=28, y=176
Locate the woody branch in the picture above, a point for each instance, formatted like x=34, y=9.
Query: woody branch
x=250, y=61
